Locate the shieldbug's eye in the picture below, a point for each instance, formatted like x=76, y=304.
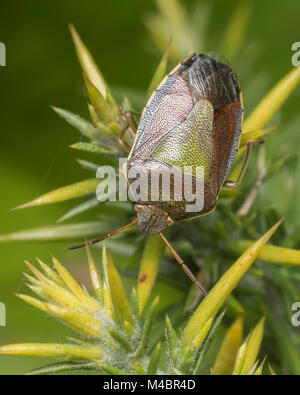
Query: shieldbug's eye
x=170, y=222
x=138, y=208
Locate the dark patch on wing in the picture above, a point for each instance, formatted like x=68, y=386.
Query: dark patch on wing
x=211, y=80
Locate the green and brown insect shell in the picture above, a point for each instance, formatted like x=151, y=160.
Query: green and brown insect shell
x=192, y=119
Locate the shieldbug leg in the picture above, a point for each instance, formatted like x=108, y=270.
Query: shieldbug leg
x=128, y=118
x=184, y=267
x=245, y=208
x=131, y=121
x=101, y=238
x=124, y=146
x=122, y=143
x=234, y=184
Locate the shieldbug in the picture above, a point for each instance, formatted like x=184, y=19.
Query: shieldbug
x=192, y=119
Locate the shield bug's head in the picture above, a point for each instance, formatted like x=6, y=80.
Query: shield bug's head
x=152, y=219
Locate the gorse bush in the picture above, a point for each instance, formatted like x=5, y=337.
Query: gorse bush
x=166, y=326
x=116, y=331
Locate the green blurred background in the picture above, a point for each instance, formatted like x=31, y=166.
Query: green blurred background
x=42, y=70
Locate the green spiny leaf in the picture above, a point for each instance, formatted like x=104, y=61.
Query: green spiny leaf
x=104, y=110
x=79, y=123
x=58, y=232
x=94, y=275
x=171, y=339
x=146, y=328
x=134, y=303
x=106, y=291
x=207, y=342
x=114, y=371
x=63, y=366
x=227, y=354
x=89, y=66
x=68, y=192
x=269, y=253
x=159, y=72
x=255, y=135
x=91, y=304
x=235, y=32
x=272, y=101
x=217, y=296
x=79, y=209
x=259, y=370
x=252, y=348
x=88, y=165
x=117, y=335
x=94, y=148
x=149, y=266
x=119, y=297
x=52, y=350
x=154, y=360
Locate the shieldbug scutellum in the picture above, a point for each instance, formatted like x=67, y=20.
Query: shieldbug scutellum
x=192, y=119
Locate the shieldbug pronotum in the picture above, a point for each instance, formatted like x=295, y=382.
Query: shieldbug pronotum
x=193, y=119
